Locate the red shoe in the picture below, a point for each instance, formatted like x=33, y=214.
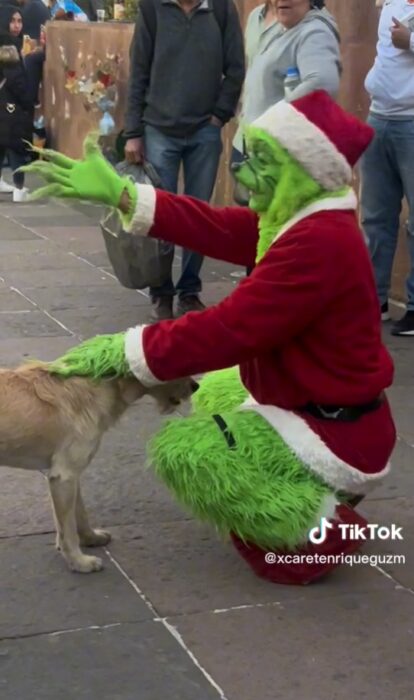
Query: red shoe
x=336, y=545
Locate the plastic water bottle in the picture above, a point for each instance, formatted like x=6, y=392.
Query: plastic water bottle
x=292, y=80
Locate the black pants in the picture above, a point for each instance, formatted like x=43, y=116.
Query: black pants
x=16, y=160
x=237, y=157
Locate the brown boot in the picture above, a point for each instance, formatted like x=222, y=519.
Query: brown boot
x=189, y=303
x=162, y=308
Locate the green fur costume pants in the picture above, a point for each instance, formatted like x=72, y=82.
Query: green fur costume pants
x=230, y=468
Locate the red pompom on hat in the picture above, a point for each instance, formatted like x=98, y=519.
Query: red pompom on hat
x=320, y=135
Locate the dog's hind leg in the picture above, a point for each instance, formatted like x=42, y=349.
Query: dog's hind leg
x=63, y=483
x=88, y=536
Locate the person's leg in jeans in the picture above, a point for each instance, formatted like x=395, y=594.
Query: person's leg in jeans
x=201, y=159
x=402, y=135
x=381, y=199
x=164, y=154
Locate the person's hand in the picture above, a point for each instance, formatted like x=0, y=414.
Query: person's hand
x=215, y=121
x=91, y=179
x=134, y=151
x=400, y=35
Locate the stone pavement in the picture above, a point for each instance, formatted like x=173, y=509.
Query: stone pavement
x=175, y=614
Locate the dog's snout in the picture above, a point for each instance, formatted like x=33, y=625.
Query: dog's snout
x=194, y=386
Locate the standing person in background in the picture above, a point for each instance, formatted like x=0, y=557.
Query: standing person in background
x=387, y=167
x=186, y=76
x=35, y=14
x=283, y=34
x=16, y=126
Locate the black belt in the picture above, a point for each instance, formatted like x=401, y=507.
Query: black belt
x=342, y=413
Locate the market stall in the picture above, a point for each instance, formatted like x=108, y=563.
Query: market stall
x=85, y=81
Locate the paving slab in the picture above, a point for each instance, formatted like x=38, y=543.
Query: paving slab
x=28, y=324
x=184, y=568
x=402, y=404
x=12, y=231
x=81, y=276
x=41, y=220
x=357, y=646
x=399, y=482
x=398, y=512
x=401, y=350
x=126, y=662
x=15, y=351
x=25, y=260
x=11, y=300
x=118, y=487
x=13, y=247
x=39, y=594
x=112, y=299
x=24, y=503
x=86, y=322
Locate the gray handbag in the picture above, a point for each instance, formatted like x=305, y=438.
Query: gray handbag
x=137, y=261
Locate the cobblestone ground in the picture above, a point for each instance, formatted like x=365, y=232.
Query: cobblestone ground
x=175, y=614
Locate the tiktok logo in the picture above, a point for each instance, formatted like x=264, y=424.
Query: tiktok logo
x=318, y=534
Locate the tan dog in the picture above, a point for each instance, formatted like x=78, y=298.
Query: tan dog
x=56, y=425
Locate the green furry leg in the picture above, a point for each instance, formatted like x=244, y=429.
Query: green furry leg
x=219, y=391
x=258, y=490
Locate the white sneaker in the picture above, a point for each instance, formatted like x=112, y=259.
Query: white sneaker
x=20, y=195
x=5, y=188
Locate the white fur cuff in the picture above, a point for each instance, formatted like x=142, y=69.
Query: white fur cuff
x=313, y=452
x=144, y=214
x=135, y=355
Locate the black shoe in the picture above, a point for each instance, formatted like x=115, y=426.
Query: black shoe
x=189, y=303
x=385, y=314
x=405, y=326
x=162, y=308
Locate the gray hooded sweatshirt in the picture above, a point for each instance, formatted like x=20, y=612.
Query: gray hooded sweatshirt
x=311, y=46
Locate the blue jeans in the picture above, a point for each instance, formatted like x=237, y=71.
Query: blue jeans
x=200, y=156
x=387, y=170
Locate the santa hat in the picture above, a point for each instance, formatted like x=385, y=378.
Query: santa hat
x=320, y=135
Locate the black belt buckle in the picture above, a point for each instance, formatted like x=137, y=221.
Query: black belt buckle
x=348, y=414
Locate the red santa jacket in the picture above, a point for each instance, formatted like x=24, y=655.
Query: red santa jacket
x=304, y=327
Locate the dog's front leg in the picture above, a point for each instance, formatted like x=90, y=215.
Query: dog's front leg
x=63, y=488
x=88, y=536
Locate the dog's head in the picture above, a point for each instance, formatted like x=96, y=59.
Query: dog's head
x=168, y=395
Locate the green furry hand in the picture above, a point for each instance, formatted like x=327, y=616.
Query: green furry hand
x=102, y=356
x=92, y=178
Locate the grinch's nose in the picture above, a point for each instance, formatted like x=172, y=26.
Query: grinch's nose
x=235, y=167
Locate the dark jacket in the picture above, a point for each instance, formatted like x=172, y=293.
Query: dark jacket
x=187, y=72
x=34, y=13
x=14, y=91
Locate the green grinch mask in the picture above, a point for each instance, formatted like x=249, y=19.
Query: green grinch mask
x=279, y=186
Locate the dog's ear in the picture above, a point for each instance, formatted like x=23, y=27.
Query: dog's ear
x=130, y=389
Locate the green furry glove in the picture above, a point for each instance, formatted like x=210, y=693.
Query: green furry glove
x=92, y=178
x=102, y=356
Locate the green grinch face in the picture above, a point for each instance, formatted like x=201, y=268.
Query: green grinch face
x=260, y=173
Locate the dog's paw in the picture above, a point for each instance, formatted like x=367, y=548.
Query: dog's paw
x=85, y=565
x=95, y=538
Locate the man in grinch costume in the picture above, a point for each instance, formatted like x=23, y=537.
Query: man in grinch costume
x=292, y=426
